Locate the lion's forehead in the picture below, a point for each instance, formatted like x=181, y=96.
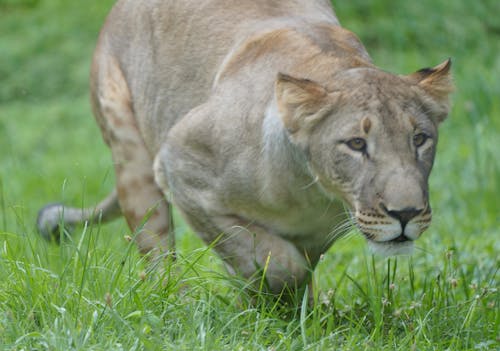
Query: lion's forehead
x=372, y=90
x=390, y=115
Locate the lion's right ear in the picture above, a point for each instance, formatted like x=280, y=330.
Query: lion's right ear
x=302, y=104
x=438, y=83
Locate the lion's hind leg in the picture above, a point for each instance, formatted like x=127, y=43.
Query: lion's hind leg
x=53, y=219
x=148, y=214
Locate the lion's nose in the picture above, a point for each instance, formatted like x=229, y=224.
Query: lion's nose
x=405, y=215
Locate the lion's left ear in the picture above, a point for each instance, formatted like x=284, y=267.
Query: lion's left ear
x=438, y=83
x=302, y=104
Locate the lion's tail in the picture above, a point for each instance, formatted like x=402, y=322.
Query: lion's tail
x=55, y=219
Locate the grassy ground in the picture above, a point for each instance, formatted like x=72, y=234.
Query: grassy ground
x=92, y=291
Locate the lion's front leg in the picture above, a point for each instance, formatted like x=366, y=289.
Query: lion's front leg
x=195, y=170
x=250, y=250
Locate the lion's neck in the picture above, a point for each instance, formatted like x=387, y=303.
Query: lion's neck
x=282, y=161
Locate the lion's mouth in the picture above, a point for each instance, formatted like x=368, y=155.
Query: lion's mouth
x=400, y=239
x=400, y=245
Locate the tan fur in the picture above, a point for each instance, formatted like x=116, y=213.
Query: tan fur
x=264, y=119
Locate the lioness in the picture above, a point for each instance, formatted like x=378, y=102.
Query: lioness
x=261, y=121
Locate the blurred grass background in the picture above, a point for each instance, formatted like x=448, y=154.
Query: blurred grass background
x=51, y=150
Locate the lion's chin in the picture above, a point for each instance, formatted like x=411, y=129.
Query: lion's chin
x=391, y=248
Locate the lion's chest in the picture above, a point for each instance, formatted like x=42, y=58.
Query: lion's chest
x=305, y=217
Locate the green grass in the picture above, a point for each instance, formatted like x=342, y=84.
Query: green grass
x=94, y=292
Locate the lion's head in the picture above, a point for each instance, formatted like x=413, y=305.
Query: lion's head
x=371, y=138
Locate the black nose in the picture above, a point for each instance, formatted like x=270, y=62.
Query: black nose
x=405, y=215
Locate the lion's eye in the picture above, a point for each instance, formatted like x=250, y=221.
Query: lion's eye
x=420, y=139
x=357, y=144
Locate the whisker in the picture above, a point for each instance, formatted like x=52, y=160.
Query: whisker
x=340, y=230
x=314, y=181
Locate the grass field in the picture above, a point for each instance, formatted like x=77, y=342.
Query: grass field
x=93, y=292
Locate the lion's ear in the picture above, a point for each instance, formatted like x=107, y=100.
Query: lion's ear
x=438, y=83
x=302, y=104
